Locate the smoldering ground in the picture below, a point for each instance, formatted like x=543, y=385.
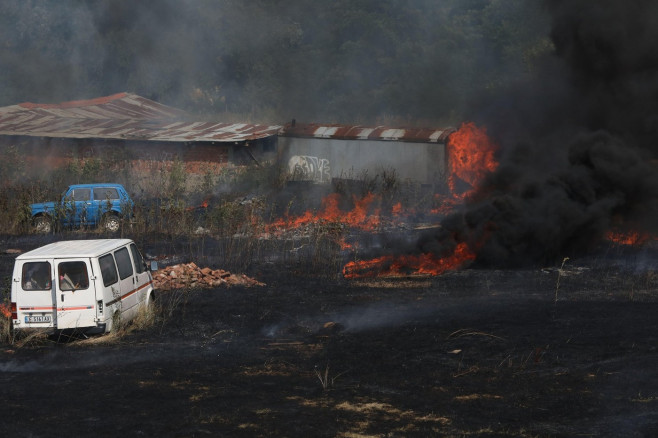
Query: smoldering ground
x=467, y=353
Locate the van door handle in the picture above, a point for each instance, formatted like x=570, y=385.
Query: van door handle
x=62, y=297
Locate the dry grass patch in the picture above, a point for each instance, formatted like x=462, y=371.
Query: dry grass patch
x=104, y=339
x=388, y=410
x=472, y=397
x=393, y=283
x=356, y=434
x=183, y=384
x=272, y=369
x=204, y=391
x=30, y=337
x=310, y=403
x=146, y=317
x=247, y=426
x=374, y=412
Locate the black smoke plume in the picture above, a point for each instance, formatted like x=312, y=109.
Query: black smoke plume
x=578, y=144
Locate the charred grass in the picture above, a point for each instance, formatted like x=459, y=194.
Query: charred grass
x=566, y=350
x=471, y=353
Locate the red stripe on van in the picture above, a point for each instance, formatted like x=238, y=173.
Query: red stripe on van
x=86, y=307
x=136, y=290
x=124, y=296
x=58, y=309
x=61, y=309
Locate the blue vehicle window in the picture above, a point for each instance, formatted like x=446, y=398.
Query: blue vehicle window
x=105, y=193
x=108, y=270
x=81, y=194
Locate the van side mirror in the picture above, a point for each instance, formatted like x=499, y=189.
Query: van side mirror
x=154, y=266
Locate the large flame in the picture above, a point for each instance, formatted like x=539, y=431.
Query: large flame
x=396, y=266
x=471, y=156
x=629, y=238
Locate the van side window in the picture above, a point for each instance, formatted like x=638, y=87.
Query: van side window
x=123, y=263
x=108, y=270
x=36, y=276
x=137, y=259
x=72, y=275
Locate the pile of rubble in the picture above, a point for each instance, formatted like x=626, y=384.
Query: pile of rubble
x=189, y=275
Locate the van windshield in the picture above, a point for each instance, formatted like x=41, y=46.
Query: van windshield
x=36, y=276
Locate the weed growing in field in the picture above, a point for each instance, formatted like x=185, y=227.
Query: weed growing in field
x=325, y=380
x=559, y=275
x=170, y=303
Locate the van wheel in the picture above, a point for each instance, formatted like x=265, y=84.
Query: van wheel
x=43, y=224
x=116, y=321
x=150, y=301
x=112, y=223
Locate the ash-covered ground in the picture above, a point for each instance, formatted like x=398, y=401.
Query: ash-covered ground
x=534, y=353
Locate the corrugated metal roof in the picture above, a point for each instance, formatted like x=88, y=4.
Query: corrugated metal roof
x=122, y=116
x=349, y=132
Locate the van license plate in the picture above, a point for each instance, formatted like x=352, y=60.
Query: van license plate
x=37, y=318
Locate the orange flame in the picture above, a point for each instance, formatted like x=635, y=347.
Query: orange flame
x=631, y=238
x=445, y=204
x=363, y=216
x=396, y=266
x=204, y=204
x=344, y=245
x=471, y=155
x=5, y=310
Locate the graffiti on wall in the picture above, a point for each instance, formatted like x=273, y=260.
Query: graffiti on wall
x=307, y=168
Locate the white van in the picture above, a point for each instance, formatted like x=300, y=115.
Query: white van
x=84, y=285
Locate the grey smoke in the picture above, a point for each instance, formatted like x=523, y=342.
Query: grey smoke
x=360, y=318
x=342, y=61
x=381, y=315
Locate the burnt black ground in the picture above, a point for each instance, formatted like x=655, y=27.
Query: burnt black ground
x=470, y=353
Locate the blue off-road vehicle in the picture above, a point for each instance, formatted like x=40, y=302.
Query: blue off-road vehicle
x=84, y=205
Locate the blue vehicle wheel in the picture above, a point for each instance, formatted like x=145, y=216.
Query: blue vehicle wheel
x=43, y=224
x=112, y=223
